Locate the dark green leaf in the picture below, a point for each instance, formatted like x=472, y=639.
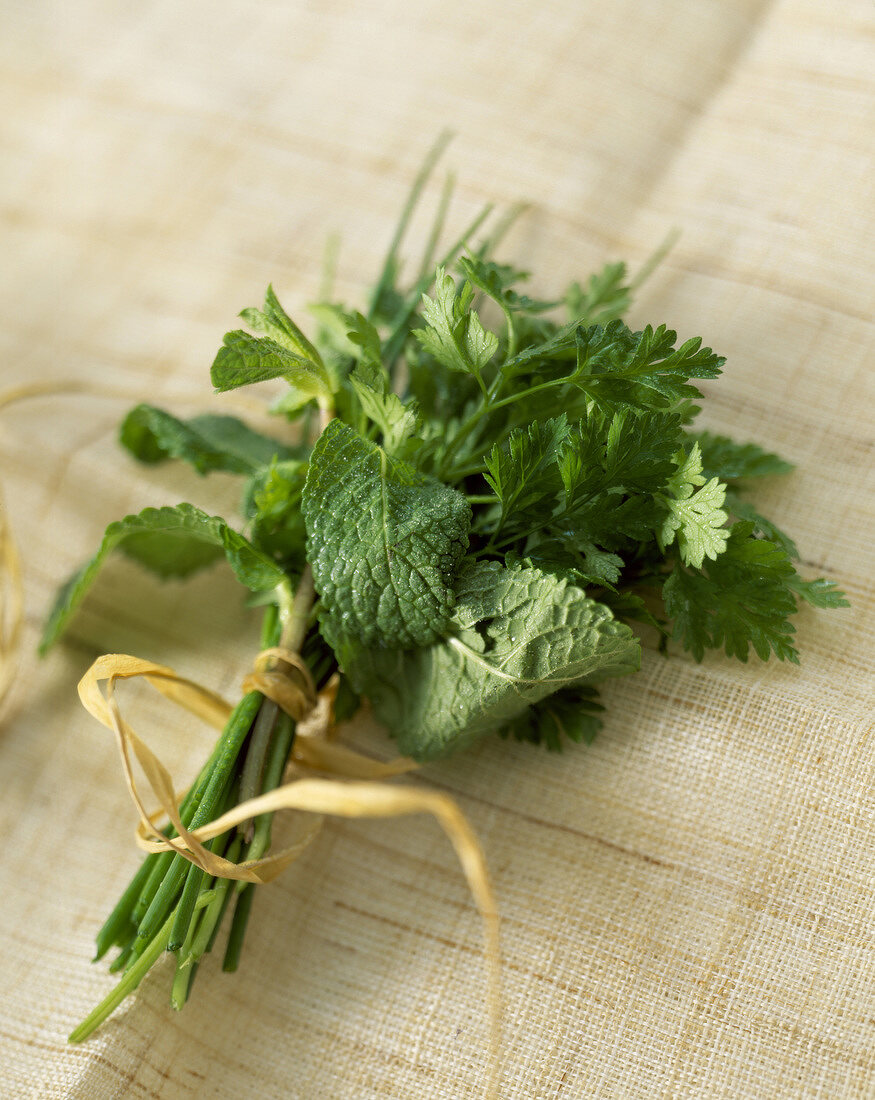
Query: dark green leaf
x=521, y=635
x=173, y=542
x=206, y=442
x=384, y=542
x=730, y=461
x=245, y=359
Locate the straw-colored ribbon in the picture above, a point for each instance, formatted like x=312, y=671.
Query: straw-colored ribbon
x=354, y=792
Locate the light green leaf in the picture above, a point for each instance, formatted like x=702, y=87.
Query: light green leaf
x=384, y=542
x=172, y=542
x=397, y=422
x=246, y=359
x=521, y=635
x=697, y=519
x=273, y=321
x=454, y=334
x=207, y=442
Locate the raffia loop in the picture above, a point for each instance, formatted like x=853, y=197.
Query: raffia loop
x=11, y=605
x=282, y=676
x=354, y=792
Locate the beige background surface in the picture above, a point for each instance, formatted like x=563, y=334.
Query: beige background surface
x=687, y=905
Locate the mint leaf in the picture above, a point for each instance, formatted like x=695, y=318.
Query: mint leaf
x=396, y=421
x=454, y=334
x=383, y=540
x=173, y=542
x=272, y=502
x=206, y=442
x=519, y=635
x=275, y=323
x=245, y=359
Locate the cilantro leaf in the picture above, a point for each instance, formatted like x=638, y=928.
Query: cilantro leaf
x=206, y=442
x=730, y=461
x=384, y=542
x=616, y=366
x=454, y=334
x=742, y=599
x=574, y=714
x=172, y=542
x=606, y=298
x=520, y=635
x=696, y=518
x=743, y=509
x=524, y=471
x=819, y=593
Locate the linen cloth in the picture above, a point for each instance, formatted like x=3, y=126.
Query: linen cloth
x=687, y=905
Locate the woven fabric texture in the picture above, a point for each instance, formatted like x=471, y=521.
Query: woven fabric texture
x=687, y=905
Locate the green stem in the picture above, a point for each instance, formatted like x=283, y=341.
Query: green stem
x=125, y=987
x=238, y=928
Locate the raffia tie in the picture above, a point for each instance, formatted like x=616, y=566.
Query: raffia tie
x=354, y=791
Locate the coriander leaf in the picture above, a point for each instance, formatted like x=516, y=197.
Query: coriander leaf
x=696, y=518
x=819, y=593
x=172, y=542
x=520, y=635
x=606, y=298
x=723, y=458
x=740, y=600
x=454, y=334
x=384, y=542
x=743, y=509
x=573, y=714
x=206, y=442
x=616, y=366
x=245, y=359
x=523, y=472
x=497, y=280
x=274, y=322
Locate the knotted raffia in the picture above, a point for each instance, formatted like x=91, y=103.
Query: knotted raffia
x=354, y=790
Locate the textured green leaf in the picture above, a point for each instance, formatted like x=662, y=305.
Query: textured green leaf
x=520, y=635
x=244, y=359
x=384, y=542
x=172, y=542
x=206, y=442
x=272, y=502
x=274, y=322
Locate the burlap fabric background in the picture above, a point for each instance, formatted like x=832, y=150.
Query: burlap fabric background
x=688, y=904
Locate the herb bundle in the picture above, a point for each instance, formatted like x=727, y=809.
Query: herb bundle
x=482, y=502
